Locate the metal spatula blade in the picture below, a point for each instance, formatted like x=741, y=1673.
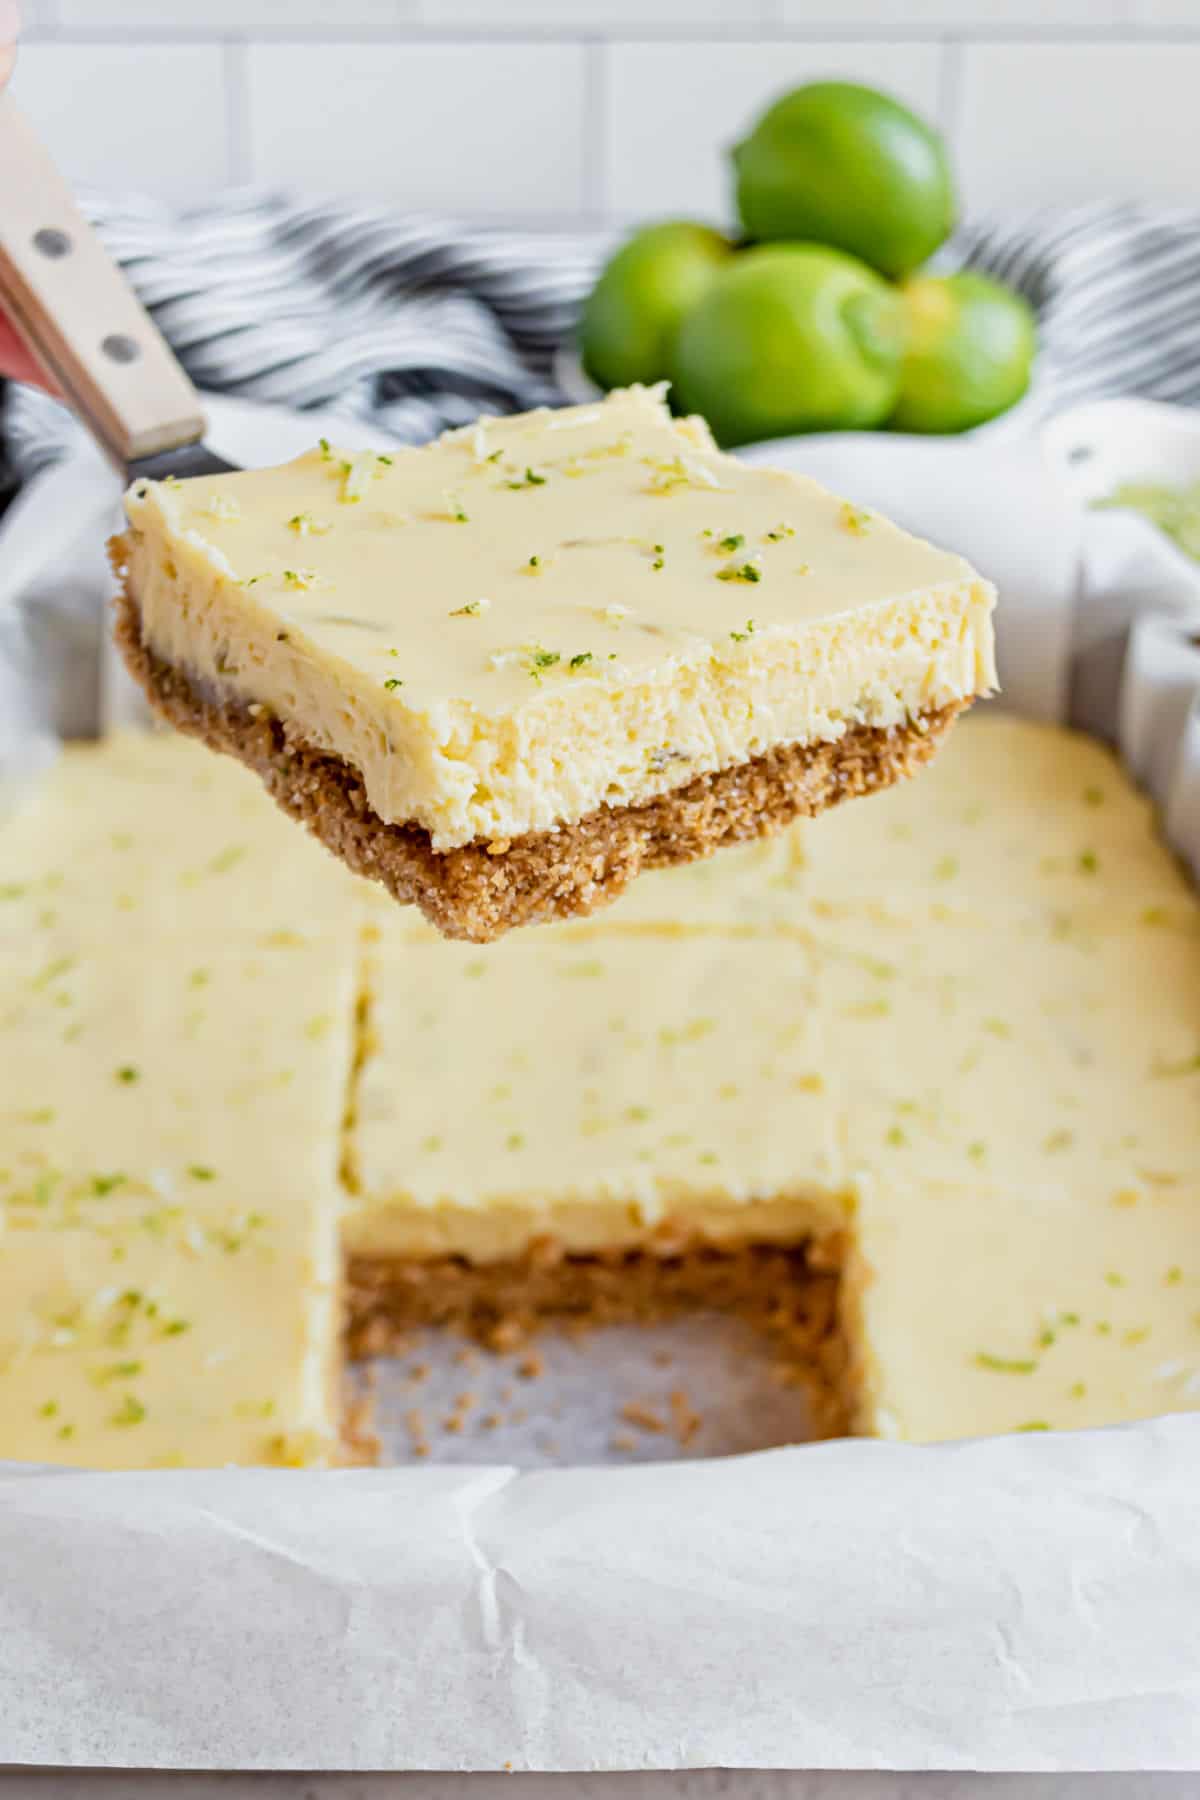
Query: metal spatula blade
x=187, y=459
x=83, y=323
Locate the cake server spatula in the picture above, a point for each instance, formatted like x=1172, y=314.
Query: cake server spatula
x=83, y=323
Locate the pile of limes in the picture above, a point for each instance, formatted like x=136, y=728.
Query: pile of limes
x=819, y=319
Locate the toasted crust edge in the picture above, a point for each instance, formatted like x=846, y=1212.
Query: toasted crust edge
x=482, y=890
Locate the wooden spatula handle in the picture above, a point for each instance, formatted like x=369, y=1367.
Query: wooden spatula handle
x=78, y=315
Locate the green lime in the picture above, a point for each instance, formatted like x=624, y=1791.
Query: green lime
x=970, y=348
x=790, y=337
x=835, y=163
x=643, y=292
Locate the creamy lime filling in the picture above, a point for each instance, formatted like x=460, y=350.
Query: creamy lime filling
x=550, y=614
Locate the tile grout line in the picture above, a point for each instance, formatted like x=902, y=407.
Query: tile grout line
x=949, y=100
x=238, y=137
x=595, y=129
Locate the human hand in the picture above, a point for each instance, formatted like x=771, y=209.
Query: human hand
x=15, y=360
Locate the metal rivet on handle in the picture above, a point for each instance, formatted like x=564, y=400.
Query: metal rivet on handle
x=120, y=349
x=52, y=243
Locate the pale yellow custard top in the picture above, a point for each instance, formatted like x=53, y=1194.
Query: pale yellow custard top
x=178, y=975
x=541, y=615
x=957, y=1024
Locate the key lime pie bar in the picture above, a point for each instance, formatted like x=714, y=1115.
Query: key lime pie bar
x=505, y=673
x=915, y=1088
x=176, y=1035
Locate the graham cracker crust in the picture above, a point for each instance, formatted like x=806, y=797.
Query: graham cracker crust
x=482, y=890
x=789, y=1294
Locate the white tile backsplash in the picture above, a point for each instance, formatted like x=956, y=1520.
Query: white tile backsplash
x=38, y=17
x=673, y=110
x=454, y=127
x=147, y=118
x=600, y=16
x=984, y=18
x=1150, y=14
x=544, y=109
x=1040, y=122
x=198, y=18
x=563, y=17
x=968, y=17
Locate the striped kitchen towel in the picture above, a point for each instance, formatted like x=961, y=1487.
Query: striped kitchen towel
x=417, y=323
x=1117, y=292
